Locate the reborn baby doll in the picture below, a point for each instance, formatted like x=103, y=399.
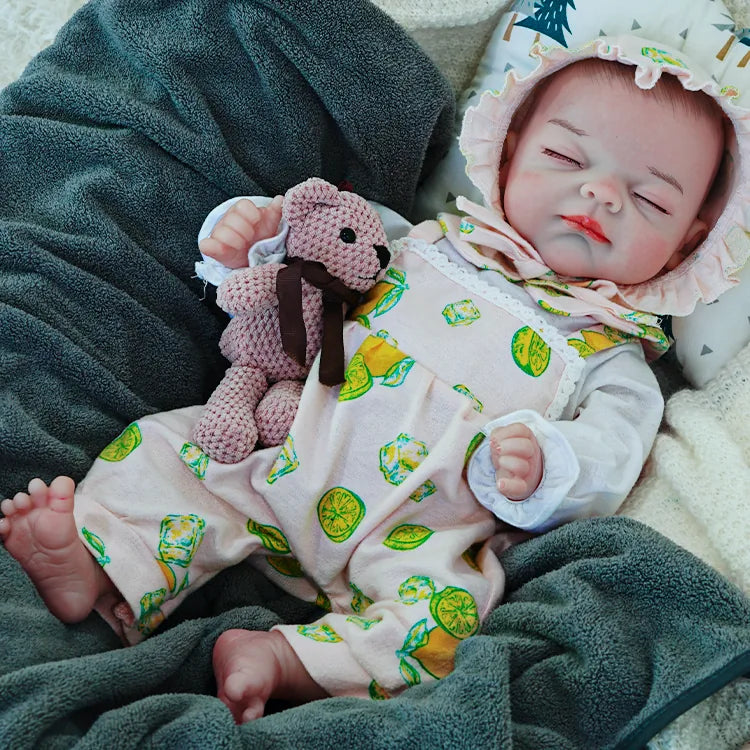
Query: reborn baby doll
x=383, y=499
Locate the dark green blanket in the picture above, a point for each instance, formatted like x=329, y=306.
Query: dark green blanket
x=608, y=632
x=114, y=145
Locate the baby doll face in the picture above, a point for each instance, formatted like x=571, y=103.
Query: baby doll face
x=606, y=182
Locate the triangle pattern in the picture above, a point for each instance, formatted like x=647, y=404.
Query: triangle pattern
x=684, y=33
x=706, y=350
x=635, y=25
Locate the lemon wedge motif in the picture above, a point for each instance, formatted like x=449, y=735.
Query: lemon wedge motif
x=123, y=445
x=530, y=351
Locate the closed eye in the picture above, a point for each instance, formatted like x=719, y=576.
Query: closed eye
x=560, y=157
x=645, y=200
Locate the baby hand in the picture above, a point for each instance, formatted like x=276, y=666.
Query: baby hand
x=241, y=226
x=517, y=459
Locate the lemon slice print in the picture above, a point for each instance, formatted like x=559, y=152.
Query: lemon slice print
x=323, y=601
x=416, y=588
x=358, y=379
x=455, y=611
x=168, y=573
x=340, y=511
x=320, y=633
x=360, y=601
x=437, y=655
x=193, y=457
x=97, y=544
x=407, y=536
x=271, y=538
x=285, y=463
x=377, y=693
x=530, y=351
x=123, y=445
x=287, y=566
x=474, y=443
x=546, y=306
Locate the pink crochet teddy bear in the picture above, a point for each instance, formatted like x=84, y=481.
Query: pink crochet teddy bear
x=285, y=313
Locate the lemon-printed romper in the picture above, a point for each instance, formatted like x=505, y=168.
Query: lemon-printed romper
x=366, y=508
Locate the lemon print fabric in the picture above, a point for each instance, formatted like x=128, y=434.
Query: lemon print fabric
x=430, y=643
x=271, y=538
x=179, y=539
x=360, y=602
x=123, y=445
x=151, y=616
x=530, y=351
x=466, y=391
x=592, y=341
x=407, y=536
x=461, y=313
x=287, y=566
x=377, y=359
x=97, y=544
x=285, y=463
x=384, y=296
x=340, y=511
x=376, y=692
x=399, y=458
x=195, y=459
x=319, y=633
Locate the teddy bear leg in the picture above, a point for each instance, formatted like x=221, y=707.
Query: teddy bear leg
x=226, y=430
x=276, y=412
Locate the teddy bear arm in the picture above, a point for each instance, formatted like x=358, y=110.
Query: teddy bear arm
x=249, y=289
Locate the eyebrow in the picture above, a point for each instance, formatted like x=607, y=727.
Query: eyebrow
x=567, y=125
x=667, y=178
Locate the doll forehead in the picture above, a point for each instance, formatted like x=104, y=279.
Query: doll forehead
x=576, y=96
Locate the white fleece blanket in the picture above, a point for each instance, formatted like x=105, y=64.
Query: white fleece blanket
x=696, y=485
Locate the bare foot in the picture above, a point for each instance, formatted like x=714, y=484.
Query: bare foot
x=252, y=666
x=40, y=532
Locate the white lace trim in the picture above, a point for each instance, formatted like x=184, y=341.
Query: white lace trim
x=573, y=364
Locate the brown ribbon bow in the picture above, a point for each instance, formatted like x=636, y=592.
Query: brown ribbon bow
x=291, y=323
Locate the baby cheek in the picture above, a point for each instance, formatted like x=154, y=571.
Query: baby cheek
x=523, y=194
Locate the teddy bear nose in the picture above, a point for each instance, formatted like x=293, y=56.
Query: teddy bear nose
x=383, y=255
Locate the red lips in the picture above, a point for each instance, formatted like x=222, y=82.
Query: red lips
x=586, y=225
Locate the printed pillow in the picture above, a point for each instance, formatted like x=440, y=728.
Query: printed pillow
x=710, y=336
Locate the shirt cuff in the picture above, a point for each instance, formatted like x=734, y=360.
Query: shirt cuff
x=561, y=470
x=270, y=250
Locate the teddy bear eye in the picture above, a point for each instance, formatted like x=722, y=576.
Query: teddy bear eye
x=347, y=235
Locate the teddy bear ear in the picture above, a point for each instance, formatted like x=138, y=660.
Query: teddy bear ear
x=301, y=199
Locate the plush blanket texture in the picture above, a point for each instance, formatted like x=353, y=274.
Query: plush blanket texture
x=139, y=119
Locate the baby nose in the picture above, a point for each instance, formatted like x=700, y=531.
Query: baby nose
x=604, y=191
